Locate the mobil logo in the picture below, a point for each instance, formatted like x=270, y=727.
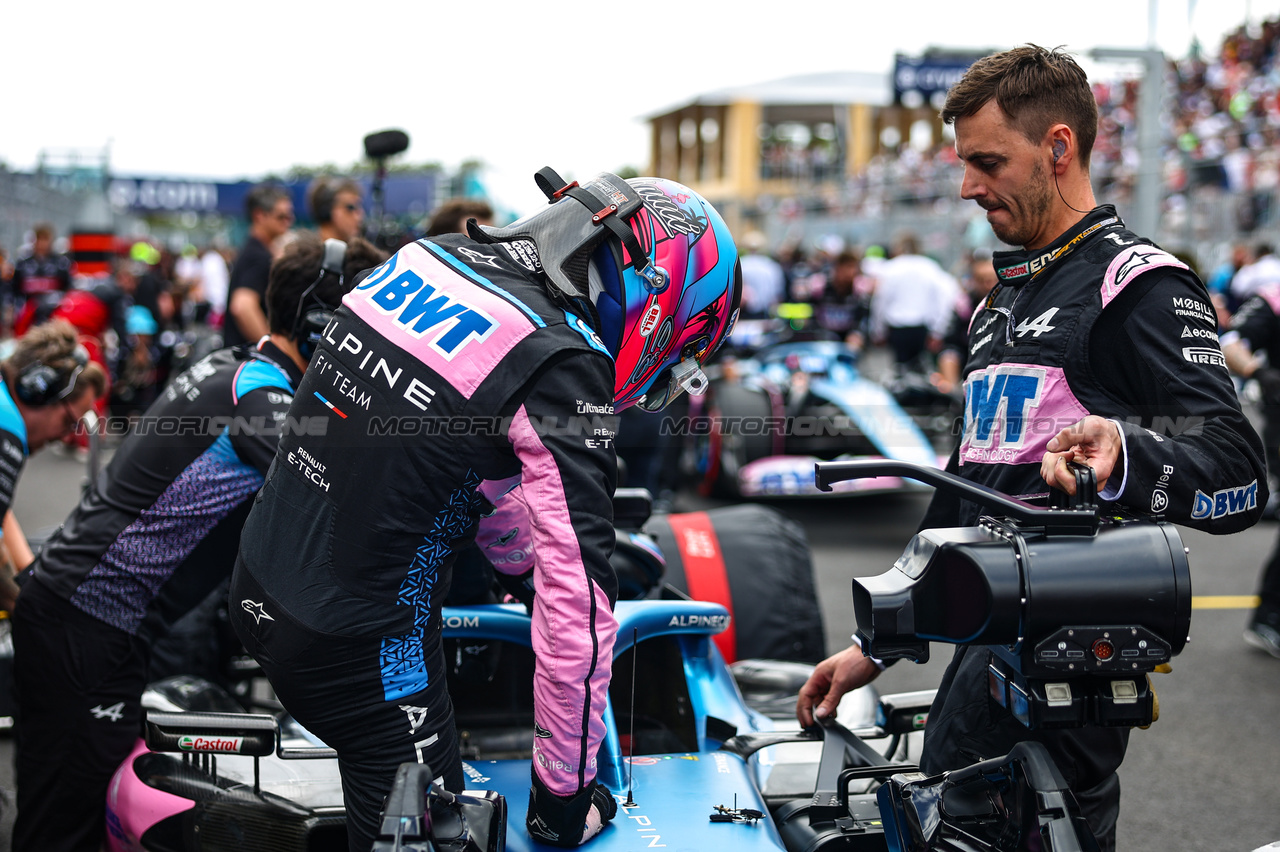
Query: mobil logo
x=1003, y=395
x=425, y=311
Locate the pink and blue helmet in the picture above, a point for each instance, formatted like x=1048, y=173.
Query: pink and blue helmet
x=661, y=335
x=657, y=264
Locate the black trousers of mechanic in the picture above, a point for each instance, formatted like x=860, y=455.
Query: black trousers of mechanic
x=79, y=683
x=1269, y=582
x=333, y=686
x=1269, y=585
x=966, y=726
x=907, y=342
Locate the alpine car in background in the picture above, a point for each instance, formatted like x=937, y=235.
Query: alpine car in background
x=791, y=400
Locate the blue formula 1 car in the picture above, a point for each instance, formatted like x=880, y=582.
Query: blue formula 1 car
x=208, y=777
x=692, y=763
x=798, y=398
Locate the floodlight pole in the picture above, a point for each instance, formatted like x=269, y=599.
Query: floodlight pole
x=1144, y=217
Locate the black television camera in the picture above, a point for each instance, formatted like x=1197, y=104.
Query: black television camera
x=1077, y=606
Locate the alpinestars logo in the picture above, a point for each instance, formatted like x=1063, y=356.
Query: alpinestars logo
x=417, y=715
x=478, y=258
x=538, y=828
x=115, y=712
x=255, y=609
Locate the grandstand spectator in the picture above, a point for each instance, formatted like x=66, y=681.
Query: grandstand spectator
x=451, y=217
x=270, y=213
x=336, y=206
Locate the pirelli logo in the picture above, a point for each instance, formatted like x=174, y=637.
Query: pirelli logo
x=1204, y=355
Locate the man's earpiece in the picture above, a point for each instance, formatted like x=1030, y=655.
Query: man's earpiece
x=1059, y=148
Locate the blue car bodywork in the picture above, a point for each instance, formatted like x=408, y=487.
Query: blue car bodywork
x=773, y=415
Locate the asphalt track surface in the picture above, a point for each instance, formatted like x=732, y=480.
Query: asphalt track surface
x=1204, y=777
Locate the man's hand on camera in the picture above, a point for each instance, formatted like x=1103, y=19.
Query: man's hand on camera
x=568, y=821
x=1094, y=441
x=831, y=679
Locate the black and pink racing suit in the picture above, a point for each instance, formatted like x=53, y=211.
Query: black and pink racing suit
x=459, y=402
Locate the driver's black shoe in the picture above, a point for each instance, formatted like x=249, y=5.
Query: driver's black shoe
x=1264, y=631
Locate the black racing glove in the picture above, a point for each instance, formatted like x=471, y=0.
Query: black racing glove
x=1269, y=383
x=568, y=821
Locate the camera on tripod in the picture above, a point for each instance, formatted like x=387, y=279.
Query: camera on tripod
x=1077, y=607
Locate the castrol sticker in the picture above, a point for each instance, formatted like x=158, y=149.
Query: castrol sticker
x=222, y=745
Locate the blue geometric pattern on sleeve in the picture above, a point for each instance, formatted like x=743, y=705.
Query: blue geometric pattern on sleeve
x=404, y=668
x=127, y=579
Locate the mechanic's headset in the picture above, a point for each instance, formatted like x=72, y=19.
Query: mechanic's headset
x=38, y=384
x=312, y=319
x=322, y=199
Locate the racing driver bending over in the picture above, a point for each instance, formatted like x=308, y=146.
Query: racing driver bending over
x=1096, y=346
x=151, y=537
x=477, y=375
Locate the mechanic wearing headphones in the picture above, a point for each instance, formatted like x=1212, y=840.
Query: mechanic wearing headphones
x=149, y=540
x=49, y=384
x=614, y=295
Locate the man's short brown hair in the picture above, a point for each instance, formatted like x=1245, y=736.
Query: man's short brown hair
x=451, y=216
x=298, y=268
x=1035, y=88
x=54, y=344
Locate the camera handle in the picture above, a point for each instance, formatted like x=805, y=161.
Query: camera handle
x=1071, y=519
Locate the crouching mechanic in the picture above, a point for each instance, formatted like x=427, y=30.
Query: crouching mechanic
x=48, y=383
x=149, y=540
x=477, y=375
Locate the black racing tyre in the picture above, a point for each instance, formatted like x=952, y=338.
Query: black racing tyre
x=734, y=437
x=764, y=559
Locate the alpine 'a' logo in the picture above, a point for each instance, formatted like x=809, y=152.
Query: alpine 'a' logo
x=650, y=320
x=417, y=715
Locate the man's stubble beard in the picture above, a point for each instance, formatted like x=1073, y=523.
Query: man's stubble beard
x=1034, y=205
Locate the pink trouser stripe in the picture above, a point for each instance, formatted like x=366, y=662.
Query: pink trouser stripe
x=573, y=626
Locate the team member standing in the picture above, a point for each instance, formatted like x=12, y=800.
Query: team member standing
x=149, y=540
x=475, y=375
x=40, y=271
x=1091, y=328
x=1252, y=349
x=270, y=212
x=336, y=206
